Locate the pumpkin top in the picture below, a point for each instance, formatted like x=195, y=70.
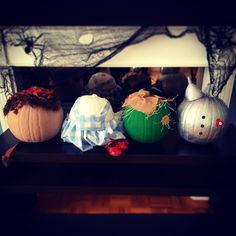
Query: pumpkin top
x=142, y=101
x=91, y=112
x=35, y=97
x=192, y=92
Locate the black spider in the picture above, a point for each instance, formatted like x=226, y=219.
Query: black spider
x=30, y=44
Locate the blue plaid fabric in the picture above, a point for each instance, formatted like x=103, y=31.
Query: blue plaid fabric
x=85, y=132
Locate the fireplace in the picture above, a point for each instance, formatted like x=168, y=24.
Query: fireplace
x=34, y=54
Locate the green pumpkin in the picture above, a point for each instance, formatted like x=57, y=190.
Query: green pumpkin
x=147, y=129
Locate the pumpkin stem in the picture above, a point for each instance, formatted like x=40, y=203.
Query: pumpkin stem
x=192, y=92
x=189, y=80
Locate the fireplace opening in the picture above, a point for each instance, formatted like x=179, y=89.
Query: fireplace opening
x=70, y=83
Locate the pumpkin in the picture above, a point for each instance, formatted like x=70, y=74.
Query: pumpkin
x=146, y=129
x=201, y=119
x=34, y=115
x=91, y=122
x=35, y=124
x=143, y=127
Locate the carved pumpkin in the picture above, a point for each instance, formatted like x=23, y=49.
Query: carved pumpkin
x=34, y=115
x=146, y=118
x=201, y=119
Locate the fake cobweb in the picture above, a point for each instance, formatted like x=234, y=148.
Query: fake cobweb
x=91, y=46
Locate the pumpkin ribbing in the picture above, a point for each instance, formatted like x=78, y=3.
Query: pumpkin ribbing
x=34, y=115
x=144, y=128
x=201, y=119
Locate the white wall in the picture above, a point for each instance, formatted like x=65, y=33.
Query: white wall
x=162, y=51
x=17, y=57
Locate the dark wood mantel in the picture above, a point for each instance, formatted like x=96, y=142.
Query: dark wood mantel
x=171, y=166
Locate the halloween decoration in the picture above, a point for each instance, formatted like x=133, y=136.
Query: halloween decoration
x=146, y=118
x=202, y=119
x=65, y=46
x=135, y=80
x=173, y=82
x=116, y=147
x=91, y=122
x=105, y=86
x=34, y=115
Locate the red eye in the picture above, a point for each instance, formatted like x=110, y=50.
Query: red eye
x=219, y=122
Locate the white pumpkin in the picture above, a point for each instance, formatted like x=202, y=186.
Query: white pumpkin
x=201, y=119
x=35, y=124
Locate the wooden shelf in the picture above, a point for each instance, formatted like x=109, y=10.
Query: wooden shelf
x=171, y=166
x=171, y=150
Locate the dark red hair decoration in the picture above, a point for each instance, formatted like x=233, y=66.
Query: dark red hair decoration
x=35, y=97
x=39, y=92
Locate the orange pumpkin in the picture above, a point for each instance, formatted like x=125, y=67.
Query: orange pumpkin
x=35, y=124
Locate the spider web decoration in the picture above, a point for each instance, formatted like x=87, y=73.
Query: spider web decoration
x=91, y=46
x=7, y=81
x=220, y=43
x=29, y=39
x=78, y=46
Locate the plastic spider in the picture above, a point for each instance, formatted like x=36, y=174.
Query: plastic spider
x=30, y=44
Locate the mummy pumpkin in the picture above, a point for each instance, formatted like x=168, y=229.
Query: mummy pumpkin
x=201, y=119
x=34, y=115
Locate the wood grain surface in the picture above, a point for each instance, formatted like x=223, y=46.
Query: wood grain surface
x=118, y=204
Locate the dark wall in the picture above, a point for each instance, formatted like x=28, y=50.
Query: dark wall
x=232, y=107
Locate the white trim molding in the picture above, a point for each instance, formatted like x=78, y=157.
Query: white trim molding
x=3, y=122
x=11, y=86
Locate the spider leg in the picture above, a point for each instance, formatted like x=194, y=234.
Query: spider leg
x=20, y=39
x=37, y=38
x=38, y=59
x=17, y=44
x=38, y=46
x=25, y=28
x=35, y=56
x=41, y=56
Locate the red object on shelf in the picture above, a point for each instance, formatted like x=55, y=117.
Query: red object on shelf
x=123, y=144
x=116, y=147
